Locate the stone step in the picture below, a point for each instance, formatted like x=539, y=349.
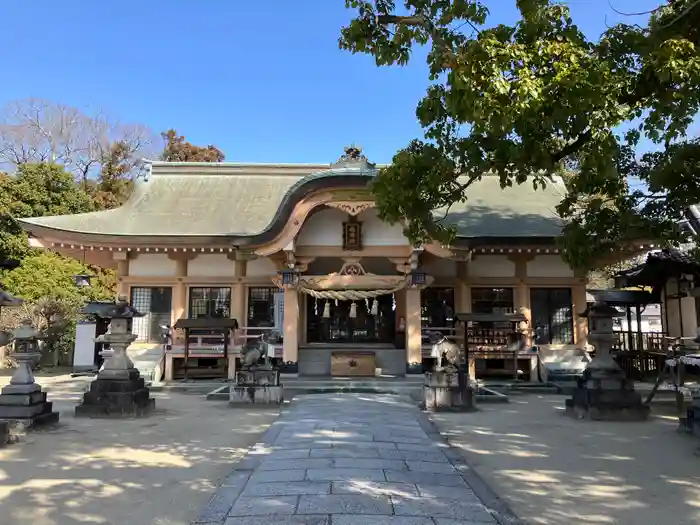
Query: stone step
x=147, y=362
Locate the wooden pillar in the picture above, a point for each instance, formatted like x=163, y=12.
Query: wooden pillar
x=122, y=271
x=463, y=293
x=578, y=297
x=178, y=305
x=239, y=303
x=239, y=296
x=180, y=290
x=400, y=298
x=463, y=305
x=521, y=294
x=413, y=328
x=290, y=348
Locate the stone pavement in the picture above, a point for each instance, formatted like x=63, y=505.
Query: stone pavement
x=353, y=459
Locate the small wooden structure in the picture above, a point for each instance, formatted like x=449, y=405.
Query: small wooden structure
x=673, y=276
x=656, y=272
x=218, y=327
x=97, y=325
x=496, y=336
x=640, y=354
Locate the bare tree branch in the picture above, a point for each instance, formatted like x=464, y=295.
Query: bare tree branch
x=37, y=130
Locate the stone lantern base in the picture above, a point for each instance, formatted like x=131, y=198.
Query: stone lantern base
x=26, y=405
x=605, y=394
x=125, y=395
x=257, y=386
x=443, y=393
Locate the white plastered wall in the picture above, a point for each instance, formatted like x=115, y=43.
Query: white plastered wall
x=152, y=265
x=211, y=265
x=325, y=228
x=548, y=266
x=261, y=267
x=491, y=266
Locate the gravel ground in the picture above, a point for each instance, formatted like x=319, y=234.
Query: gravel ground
x=554, y=470
x=159, y=470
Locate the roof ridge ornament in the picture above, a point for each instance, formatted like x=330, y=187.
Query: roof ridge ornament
x=145, y=170
x=353, y=158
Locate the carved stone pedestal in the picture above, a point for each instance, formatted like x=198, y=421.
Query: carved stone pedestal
x=22, y=401
x=605, y=394
x=117, y=397
x=256, y=386
x=119, y=390
x=442, y=392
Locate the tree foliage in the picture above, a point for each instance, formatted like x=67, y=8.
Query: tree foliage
x=35, y=190
x=50, y=275
x=529, y=100
x=62, y=160
x=177, y=149
x=44, y=279
x=114, y=183
x=52, y=301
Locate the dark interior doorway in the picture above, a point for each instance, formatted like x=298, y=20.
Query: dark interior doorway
x=340, y=327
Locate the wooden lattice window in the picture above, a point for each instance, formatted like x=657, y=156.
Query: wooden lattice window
x=552, y=315
x=156, y=304
x=209, y=302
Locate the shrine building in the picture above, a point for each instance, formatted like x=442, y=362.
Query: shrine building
x=299, y=248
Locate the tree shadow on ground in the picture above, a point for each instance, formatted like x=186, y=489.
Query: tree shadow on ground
x=556, y=470
x=157, y=470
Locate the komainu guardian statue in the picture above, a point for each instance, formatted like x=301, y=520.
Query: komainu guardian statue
x=445, y=351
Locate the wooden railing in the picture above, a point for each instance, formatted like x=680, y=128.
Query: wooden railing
x=641, y=366
x=642, y=355
x=206, y=353
x=644, y=341
x=213, y=344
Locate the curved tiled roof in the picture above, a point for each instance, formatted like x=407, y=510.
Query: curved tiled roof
x=251, y=202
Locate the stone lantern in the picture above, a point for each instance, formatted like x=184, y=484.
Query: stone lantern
x=119, y=390
x=23, y=400
x=7, y=299
x=604, y=392
x=601, y=335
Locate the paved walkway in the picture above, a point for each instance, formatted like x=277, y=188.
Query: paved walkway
x=352, y=459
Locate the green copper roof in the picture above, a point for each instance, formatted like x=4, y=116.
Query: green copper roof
x=174, y=204
x=518, y=211
x=248, y=200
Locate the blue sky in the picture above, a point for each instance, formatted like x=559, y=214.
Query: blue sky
x=262, y=80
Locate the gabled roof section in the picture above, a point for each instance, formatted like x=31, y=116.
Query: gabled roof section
x=250, y=203
x=516, y=211
x=192, y=199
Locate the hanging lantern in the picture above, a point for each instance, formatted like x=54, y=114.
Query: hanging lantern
x=375, y=307
x=288, y=277
x=353, y=310
x=327, y=310
x=416, y=278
